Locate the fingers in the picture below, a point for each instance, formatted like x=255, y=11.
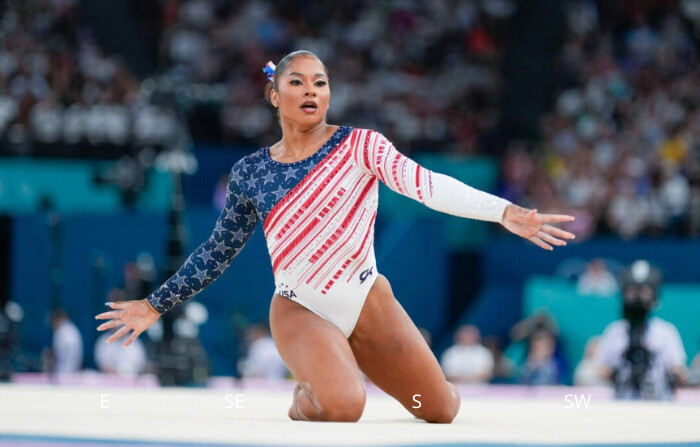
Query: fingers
x=550, y=239
x=109, y=315
x=134, y=336
x=558, y=232
x=110, y=325
x=540, y=243
x=119, y=334
x=552, y=218
x=118, y=305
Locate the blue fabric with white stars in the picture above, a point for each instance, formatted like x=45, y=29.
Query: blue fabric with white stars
x=256, y=184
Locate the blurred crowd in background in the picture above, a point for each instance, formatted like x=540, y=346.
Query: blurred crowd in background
x=619, y=147
x=59, y=88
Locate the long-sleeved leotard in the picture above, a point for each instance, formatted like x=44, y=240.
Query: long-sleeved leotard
x=318, y=217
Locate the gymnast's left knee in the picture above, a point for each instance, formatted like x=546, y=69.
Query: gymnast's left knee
x=443, y=415
x=446, y=411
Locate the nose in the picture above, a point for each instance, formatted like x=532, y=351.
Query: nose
x=310, y=92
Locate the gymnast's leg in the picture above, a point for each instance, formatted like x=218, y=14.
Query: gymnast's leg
x=330, y=385
x=393, y=354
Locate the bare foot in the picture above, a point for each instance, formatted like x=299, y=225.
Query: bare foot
x=293, y=412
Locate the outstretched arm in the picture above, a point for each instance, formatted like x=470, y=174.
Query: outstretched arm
x=234, y=227
x=448, y=195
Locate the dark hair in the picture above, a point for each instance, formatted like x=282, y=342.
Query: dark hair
x=283, y=65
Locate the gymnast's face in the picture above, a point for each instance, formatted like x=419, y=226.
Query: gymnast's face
x=302, y=94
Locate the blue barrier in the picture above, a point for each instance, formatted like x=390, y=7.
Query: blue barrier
x=69, y=186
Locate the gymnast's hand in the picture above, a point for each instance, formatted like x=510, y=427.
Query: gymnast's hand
x=535, y=227
x=135, y=315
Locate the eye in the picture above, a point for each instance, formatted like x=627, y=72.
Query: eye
x=320, y=83
x=295, y=82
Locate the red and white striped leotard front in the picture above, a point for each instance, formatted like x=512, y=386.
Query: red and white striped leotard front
x=320, y=236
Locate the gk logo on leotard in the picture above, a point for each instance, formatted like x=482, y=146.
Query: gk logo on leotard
x=366, y=274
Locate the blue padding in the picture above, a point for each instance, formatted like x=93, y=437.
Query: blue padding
x=412, y=255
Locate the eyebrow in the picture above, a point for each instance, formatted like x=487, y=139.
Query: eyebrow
x=299, y=74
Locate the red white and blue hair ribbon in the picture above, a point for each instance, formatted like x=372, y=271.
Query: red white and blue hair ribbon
x=269, y=70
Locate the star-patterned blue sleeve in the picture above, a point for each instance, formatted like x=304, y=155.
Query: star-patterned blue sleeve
x=235, y=225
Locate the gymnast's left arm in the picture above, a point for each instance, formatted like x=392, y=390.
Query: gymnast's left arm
x=448, y=195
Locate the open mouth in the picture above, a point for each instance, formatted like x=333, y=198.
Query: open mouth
x=309, y=106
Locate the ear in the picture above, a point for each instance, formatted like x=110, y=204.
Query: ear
x=274, y=99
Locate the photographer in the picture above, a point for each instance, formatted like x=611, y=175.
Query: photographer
x=642, y=355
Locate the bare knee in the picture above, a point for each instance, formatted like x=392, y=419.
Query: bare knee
x=443, y=415
x=446, y=411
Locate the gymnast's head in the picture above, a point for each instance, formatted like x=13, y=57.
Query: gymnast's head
x=298, y=88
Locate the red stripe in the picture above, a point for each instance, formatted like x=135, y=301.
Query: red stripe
x=359, y=201
x=310, y=241
x=313, y=210
x=420, y=194
x=394, y=173
x=338, y=248
x=279, y=206
x=381, y=167
x=340, y=209
x=362, y=247
x=365, y=152
x=305, y=206
x=333, y=202
x=279, y=210
x=364, y=239
x=298, y=238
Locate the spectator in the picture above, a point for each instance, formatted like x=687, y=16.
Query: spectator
x=467, y=361
x=694, y=373
x=528, y=327
x=503, y=369
x=540, y=368
x=587, y=372
x=113, y=358
x=67, y=352
x=263, y=360
x=597, y=279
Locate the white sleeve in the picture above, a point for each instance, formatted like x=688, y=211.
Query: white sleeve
x=437, y=191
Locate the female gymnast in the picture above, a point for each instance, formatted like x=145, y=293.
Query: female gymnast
x=333, y=316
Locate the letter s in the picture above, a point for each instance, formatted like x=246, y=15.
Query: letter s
x=416, y=401
x=229, y=404
x=571, y=403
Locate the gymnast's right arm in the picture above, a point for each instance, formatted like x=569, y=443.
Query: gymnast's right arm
x=235, y=225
